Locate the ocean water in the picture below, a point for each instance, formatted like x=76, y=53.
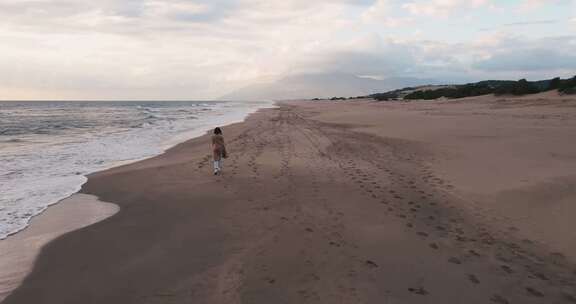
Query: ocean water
x=47, y=148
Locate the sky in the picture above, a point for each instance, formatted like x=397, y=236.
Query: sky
x=203, y=49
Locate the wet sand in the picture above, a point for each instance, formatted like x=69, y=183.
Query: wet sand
x=437, y=202
x=19, y=251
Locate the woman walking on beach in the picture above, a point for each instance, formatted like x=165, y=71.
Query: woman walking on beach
x=218, y=150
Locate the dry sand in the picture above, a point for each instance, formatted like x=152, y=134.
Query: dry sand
x=464, y=201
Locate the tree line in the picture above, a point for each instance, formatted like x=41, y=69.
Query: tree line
x=497, y=87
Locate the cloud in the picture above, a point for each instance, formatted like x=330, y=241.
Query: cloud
x=522, y=24
x=380, y=13
x=535, y=22
x=528, y=60
x=531, y=5
x=442, y=8
x=110, y=48
x=187, y=11
x=508, y=53
x=202, y=49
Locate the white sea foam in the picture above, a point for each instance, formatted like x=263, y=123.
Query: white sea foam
x=46, y=150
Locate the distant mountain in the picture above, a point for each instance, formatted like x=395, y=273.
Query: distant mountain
x=306, y=86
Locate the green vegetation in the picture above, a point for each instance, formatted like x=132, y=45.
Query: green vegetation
x=497, y=87
x=392, y=95
x=555, y=84
x=521, y=87
x=568, y=86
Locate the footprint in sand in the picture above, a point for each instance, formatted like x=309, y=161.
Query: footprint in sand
x=507, y=269
x=474, y=253
x=499, y=299
x=570, y=298
x=370, y=264
x=461, y=239
x=472, y=278
x=558, y=256
x=527, y=241
x=541, y=276
x=533, y=292
x=419, y=291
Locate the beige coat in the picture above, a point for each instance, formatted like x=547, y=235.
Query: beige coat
x=218, y=147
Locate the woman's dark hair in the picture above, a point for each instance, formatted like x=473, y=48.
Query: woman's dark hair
x=217, y=131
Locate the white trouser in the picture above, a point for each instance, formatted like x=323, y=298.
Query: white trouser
x=217, y=165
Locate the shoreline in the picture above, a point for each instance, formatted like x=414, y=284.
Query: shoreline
x=19, y=251
x=42, y=228
x=163, y=148
x=323, y=202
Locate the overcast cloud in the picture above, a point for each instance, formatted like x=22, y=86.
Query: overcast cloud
x=200, y=49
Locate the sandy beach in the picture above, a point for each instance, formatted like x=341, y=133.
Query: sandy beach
x=455, y=201
x=19, y=251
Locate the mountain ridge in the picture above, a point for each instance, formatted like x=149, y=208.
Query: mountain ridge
x=307, y=86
